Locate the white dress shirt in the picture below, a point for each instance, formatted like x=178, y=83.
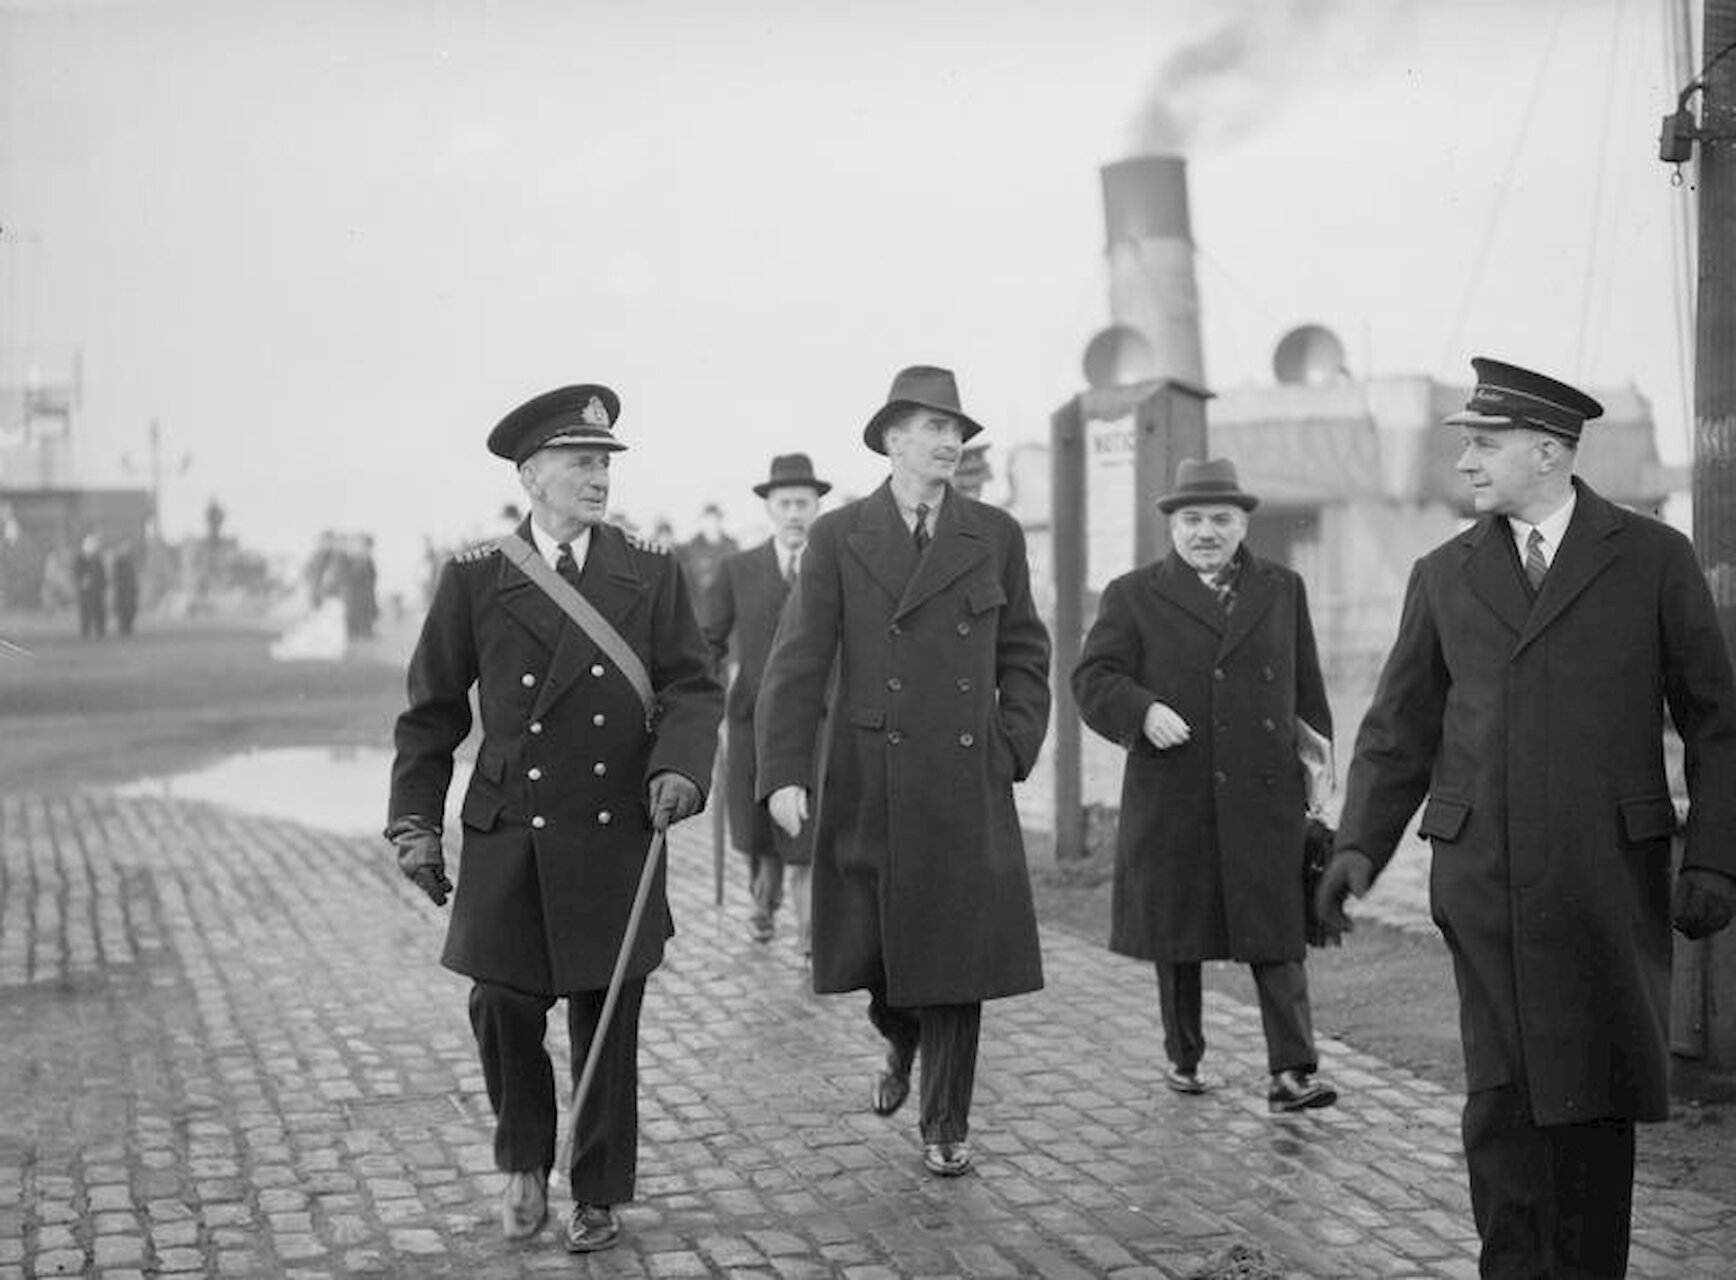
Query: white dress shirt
x=1553, y=527
x=549, y=547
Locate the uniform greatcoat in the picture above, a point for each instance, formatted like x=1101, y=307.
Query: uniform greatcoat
x=1535, y=730
x=555, y=825
x=1208, y=861
x=740, y=620
x=943, y=702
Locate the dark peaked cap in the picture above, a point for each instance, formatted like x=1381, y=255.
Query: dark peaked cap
x=1508, y=396
x=583, y=415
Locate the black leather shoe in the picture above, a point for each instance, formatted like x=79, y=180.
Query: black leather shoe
x=591, y=1227
x=1185, y=1080
x=890, y=1090
x=1299, y=1091
x=946, y=1159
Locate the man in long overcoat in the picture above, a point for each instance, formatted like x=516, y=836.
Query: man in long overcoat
x=1203, y=667
x=740, y=617
x=921, y=892
x=572, y=775
x=1524, y=697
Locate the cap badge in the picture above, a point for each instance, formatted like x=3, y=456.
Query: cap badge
x=594, y=414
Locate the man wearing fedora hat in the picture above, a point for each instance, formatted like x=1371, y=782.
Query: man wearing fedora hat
x=1522, y=707
x=920, y=600
x=597, y=728
x=1203, y=667
x=740, y=618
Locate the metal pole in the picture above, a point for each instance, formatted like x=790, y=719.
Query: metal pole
x=1067, y=543
x=582, y=1086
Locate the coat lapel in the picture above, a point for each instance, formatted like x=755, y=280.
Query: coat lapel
x=1256, y=589
x=1175, y=581
x=613, y=586
x=1586, y=550
x=1491, y=571
x=768, y=576
x=958, y=546
x=882, y=543
x=526, y=602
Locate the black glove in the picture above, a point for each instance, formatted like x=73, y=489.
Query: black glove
x=671, y=797
x=1349, y=872
x=1704, y=902
x=419, y=856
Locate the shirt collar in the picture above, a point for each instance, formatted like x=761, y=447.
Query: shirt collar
x=550, y=549
x=1553, y=526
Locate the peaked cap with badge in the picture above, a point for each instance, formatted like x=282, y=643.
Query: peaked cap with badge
x=921, y=386
x=1508, y=396
x=579, y=415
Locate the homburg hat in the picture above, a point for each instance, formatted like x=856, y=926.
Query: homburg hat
x=791, y=469
x=1205, y=484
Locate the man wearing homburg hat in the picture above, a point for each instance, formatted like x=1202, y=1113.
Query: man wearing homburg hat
x=599, y=724
x=1203, y=667
x=740, y=617
x=1522, y=706
x=921, y=598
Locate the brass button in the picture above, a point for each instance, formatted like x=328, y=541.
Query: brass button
x=964, y=686
x=536, y=726
x=535, y=774
x=597, y=669
x=1220, y=777
x=895, y=737
x=895, y=684
x=599, y=768
x=599, y=719
x=604, y=817
x=539, y=822
x=1269, y=726
x=964, y=628
x=1217, y=673
x=966, y=740
x=527, y=679
x=895, y=629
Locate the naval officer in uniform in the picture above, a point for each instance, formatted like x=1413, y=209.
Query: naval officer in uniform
x=581, y=757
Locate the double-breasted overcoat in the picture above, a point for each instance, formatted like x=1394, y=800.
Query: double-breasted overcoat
x=740, y=617
x=1208, y=855
x=1535, y=729
x=942, y=704
x=555, y=828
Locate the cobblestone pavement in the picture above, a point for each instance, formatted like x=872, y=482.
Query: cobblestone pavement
x=226, y=1049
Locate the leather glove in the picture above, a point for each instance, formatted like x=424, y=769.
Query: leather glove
x=789, y=809
x=1349, y=872
x=1704, y=902
x=419, y=856
x=671, y=797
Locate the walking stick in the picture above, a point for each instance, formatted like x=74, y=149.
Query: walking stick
x=719, y=788
x=582, y=1086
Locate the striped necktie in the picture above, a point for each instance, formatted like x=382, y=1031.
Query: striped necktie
x=1535, y=565
x=920, y=533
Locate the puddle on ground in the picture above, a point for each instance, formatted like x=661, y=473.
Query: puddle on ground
x=340, y=789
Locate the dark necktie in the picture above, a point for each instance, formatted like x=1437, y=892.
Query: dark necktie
x=920, y=533
x=1224, y=583
x=566, y=566
x=1535, y=565
x=791, y=567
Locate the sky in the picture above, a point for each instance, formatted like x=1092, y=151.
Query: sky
x=327, y=244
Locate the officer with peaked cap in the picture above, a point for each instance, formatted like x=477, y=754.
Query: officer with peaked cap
x=920, y=599
x=572, y=774
x=740, y=617
x=1522, y=707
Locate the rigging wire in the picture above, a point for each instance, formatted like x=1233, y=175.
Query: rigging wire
x=1678, y=59
x=1474, y=280
x=1588, y=299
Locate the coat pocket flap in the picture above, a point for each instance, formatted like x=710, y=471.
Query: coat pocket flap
x=1443, y=818
x=868, y=717
x=491, y=762
x=481, y=808
x=982, y=599
x=1652, y=818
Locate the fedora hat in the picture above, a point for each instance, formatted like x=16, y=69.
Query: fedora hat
x=789, y=469
x=1205, y=484
x=921, y=386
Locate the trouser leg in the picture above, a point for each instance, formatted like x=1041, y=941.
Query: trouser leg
x=1285, y=1015
x=509, y=1027
x=1180, y=1002
x=1512, y=1199
x=901, y=1029
x=1593, y=1167
x=768, y=884
x=606, y=1150
x=950, y=1033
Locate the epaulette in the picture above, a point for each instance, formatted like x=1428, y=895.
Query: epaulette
x=474, y=552
x=645, y=544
